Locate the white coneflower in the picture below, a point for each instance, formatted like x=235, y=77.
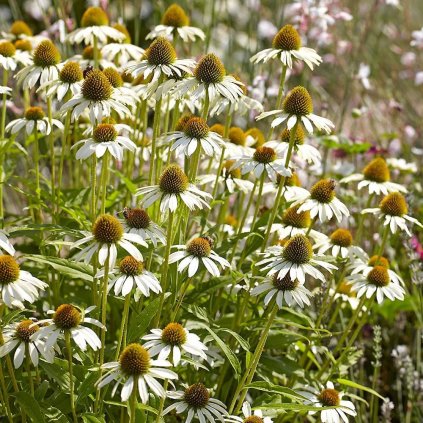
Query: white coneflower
x=249, y=416
x=344, y=292
x=137, y=221
x=86, y=59
x=174, y=340
x=5, y=244
x=376, y=177
x=69, y=318
x=46, y=58
x=376, y=279
x=99, y=97
x=125, y=92
x=364, y=265
x=174, y=187
x=95, y=24
x=321, y=201
x=340, y=244
x=209, y=76
x=393, y=211
x=197, y=251
x=106, y=235
x=401, y=165
x=5, y=90
x=329, y=397
x=18, y=286
x=10, y=57
x=34, y=118
x=197, y=402
x=295, y=259
x=295, y=223
x=240, y=107
x=17, y=336
x=160, y=59
x=105, y=137
x=287, y=47
x=196, y=133
x=136, y=370
x=17, y=31
x=288, y=290
x=263, y=159
x=175, y=22
x=132, y=274
x=70, y=81
x=230, y=178
x=306, y=152
x=124, y=51
x=297, y=108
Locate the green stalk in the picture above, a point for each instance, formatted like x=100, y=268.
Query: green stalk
x=95, y=52
x=28, y=369
x=5, y=399
x=249, y=374
x=37, y=210
x=164, y=279
x=272, y=217
x=122, y=335
x=93, y=188
x=279, y=99
x=3, y=108
x=62, y=156
x=71, y=381
x=132, y=404
x=52, y=154
x=162, y=401
x=104, y=181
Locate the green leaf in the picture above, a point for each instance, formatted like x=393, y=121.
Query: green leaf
x=293, y=407
x=91, y=418
x=275, y=389
x=244, y=344
x=30, y=406
x=233, y=360
x=356, y=385
x=66, y=267
x=56, y=373
x=139, y=323
x=86, y=387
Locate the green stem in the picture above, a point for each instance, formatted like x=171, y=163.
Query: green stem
x=37, y=210
x=4, y=106
x=52, y=153
x=95, y=52
x=123, y=325
x=71, y=381
x=62, y=156
x=279, y=99
x=180, y=299
x=162, y=401
x=104, y=181
x=93, y=188
x=164, y=279
x=28, y=369
x=133, y=401
x=272, y=218
x=5, y=401
x=249, y=374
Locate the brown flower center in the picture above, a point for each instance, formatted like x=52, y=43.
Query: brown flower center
x=173, y=180
x=20, y=28
x=196, y=127
x=210, y=69
x=7, y=49
x=329, y=397
x=298, y=102
x=291, y=217
x=298, y=250
x=199, y=247
x=237, y=136
x=377, y=170
x=174, y=334
x=285, y=283
x=130, y=266
x=394, y=204
x=46, y=54
x=134, y=360
x=34, y=113
x=257, y=135
x=67, y=316
x=114, y=77
x=342, y=237
x=379, y=276
x=175, y=16
x=94, y=16
x=104, y=132
x=379, y=261
x=96, y=86
x=264, y=155
x=253, y=419
x=196, y=396
x=107, y=229
x=71, y=73
x=287, y=39
x=137, y=218
x=160, y=52
x=299, y=135
x=323, y=191
x=24, y=331
x=9, y=270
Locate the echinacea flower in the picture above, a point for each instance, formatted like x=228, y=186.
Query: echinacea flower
x=296, y=259
x=105, y=137
x=17, y=31
x=287, y=47
x=295, y=223
x=16, y=285
x=196, y=400
x=174, y=340
x=174, y=187
x=305, y=152
x=10, y=57
x=288, y=290
x=329, y=397
x=197, y=251
x=34, y=118
x=17, y=336
x=230, y=178
x=393, y=211
x=160, y=59
x=340, y=244
x=196, y=134
x=263, y=159
x=86, y=59
x=401, y=165
x=99, y=97
x=249, y=416
x=67, y=317
x=106, y=235
x=5, y=244
x=175, y=22
x=137, y=221
x=321, y=201
x=136, y=370
x=70, y=81
x=376, y=279
x=376, y=177
x=298, y=108
x=240, y=107
x=95, y=24
x=123, y=51
x=5, y=90
x=132, y=274
x=46, y=58
x=209, y=76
